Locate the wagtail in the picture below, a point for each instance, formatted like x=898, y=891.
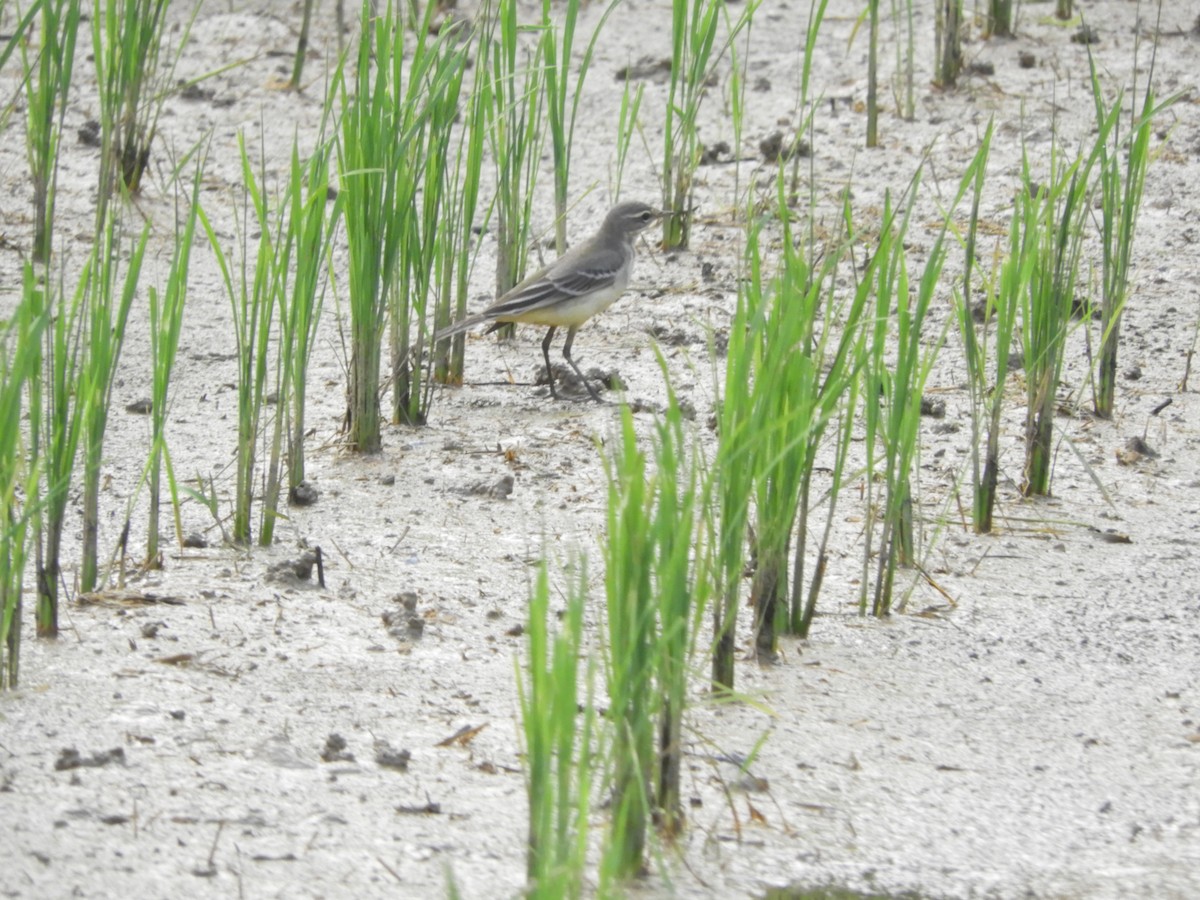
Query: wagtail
x=585, y=280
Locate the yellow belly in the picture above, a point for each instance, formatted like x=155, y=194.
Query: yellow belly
x=569, y=313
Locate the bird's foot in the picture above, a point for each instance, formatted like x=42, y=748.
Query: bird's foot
x=569, y=384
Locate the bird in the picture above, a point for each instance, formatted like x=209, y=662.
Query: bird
x=584, y=281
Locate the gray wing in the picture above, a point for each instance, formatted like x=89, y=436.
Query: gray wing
x=564, y=278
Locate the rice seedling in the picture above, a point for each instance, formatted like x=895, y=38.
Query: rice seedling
x=804, y=602
x=1000, y=18
x=300, y=246
x=557, y=47
x=313, y=225
x=1189, y=356
x=784, y=402
x=905, y=77
x=975, y=347
x=655, y=598
x=293, y=246
x=166, y=323
x=694, y=26
x=47, y=86
x=253, y=298
x=456, y=247
x=206, y=495
x=738, y=81
x=1045, y=308
x=629, y=562
x=429, y=238
x=694, y=52
x=872, y=73
x=301, y=46
x=732, y=487
x=948, y=54
x=837, y=352
x=681, y=589
x=515, y=136
x=55, y=426
x=368, y=169
x=20, y=338
x=83, y=347
x=110, y=292
x=803, y=361
x=16, y=38
x=1063, y=9
x=627, y=123
x=380, y=119
x=986, y=346
x=559, y=728
x=1045, y=319
x=805, y=105
x=127, y=43
x=1121, y=199
x=893, y=392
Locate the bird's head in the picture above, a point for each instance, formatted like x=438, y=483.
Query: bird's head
x=631, y=217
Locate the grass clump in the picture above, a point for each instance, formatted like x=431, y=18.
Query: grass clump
x=1121, y=186
x=655, y=597
x=303, y=228
x=947, y=42
x=127, y=46
x=429, y=237
x=987, y=327
x=456, y=247
x=384, y=114
x=1000, y=19
x=166, y=324
x=1046, y=306
x=20, y=339
x=55, y=425
x=252, y=288
x=311, y=225
x=894, y=390
x=556, y=50
x=695, y=25
x=559, y=729
x=804, y=359
x=515, y=136
x=111, y=288
x=47, y=87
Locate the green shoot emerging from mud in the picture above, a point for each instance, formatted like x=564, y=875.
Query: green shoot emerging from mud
x=382, y=116
x=694, y=52
x=515, y=136
x=48, y=84
x=655, y=600
x=1121, y=199
x=166, y=324
x=20, y=338
x=559, y=738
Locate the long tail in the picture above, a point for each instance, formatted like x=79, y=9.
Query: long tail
x=459, y=327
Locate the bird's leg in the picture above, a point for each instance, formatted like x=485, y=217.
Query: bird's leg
x=546, y=355
x=571, y=362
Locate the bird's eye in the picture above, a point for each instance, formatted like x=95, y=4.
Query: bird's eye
x=646, y=217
